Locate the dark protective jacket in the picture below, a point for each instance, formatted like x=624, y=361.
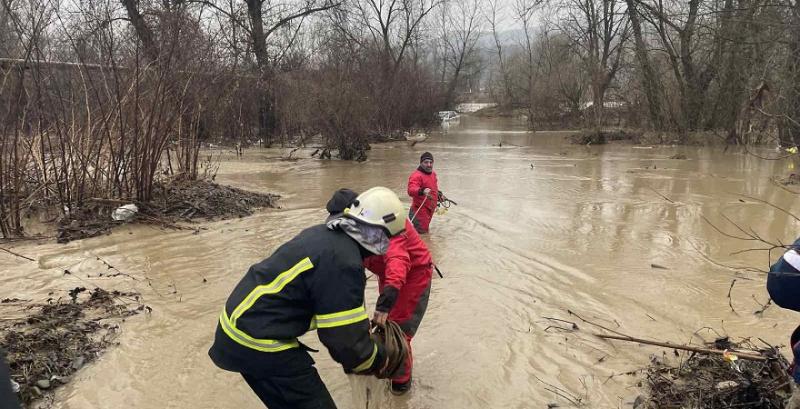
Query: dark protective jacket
x=783, y=285
x=783, y=280
x=316, y=280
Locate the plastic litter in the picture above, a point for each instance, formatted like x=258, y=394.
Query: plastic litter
x=125, y=213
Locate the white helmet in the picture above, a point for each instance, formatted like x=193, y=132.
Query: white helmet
x=380, y=207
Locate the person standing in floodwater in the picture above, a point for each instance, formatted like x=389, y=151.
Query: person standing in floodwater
x=314, y=281
x=404, y=282
x=783, y=285
x=423, y=187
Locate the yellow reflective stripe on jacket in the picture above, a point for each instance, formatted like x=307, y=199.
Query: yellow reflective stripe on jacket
x=338, y=319
x=273, y=287
x=264, y=345
x=368, y=363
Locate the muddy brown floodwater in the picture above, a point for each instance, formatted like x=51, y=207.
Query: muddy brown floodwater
x=542, y=227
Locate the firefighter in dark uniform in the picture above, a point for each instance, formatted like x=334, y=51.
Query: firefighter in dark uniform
x=783, y=285
x=314, y=281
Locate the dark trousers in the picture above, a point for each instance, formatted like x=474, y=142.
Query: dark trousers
x=304, y=390
x=8, y=399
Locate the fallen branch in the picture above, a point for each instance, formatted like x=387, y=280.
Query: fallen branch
x=742, y=355
x=16, y=254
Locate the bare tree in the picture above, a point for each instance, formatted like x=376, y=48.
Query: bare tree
x=492, y=14
x=460, y=33
x=650, y=83
x=525, y=12
x=599, y=30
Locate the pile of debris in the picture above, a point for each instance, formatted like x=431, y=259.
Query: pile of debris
x=710, y=381
x=591, y=137
x=186, y=200
x=51, y=341
x=179, y=200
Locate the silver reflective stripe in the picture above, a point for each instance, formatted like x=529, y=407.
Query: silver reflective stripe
x=265, y=345
x=339, y=319
x=273, y=287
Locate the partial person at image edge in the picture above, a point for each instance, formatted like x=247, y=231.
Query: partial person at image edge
x=783, y=285
x=8, y=399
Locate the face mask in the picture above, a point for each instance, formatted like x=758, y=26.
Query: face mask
x=372, y=238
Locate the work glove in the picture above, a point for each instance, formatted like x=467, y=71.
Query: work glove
x=387, y=299
x=380, y=317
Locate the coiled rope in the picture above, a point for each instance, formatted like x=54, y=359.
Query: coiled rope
x=396, y=346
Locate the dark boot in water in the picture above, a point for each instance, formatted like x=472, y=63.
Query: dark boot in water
x=401, y=388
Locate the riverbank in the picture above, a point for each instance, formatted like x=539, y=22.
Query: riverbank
x=173, y=202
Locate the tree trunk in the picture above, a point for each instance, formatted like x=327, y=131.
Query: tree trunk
x=508, y=99
x=649, y=79
x=143, y=32
x=266, y=108
x=790, y=126
x=692, y=98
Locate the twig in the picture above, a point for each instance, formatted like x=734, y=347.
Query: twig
x=710, y=260
x=713, y=226
x=629, y=373
x=662, y=196
x=730, y=301
x=595, y=324
x=763, y=306
x=574, y=325
x=560, y=392
x=118, y=272
x=555, y=327
x=774, y=206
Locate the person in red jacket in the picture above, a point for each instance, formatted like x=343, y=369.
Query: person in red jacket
x=423, y=187
x=404, y=281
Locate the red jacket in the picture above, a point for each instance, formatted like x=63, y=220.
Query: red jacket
x=417, y=182
x=407, y=261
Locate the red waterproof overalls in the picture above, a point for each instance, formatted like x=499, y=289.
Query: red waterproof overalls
x=407, y=266
x=417, y=183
